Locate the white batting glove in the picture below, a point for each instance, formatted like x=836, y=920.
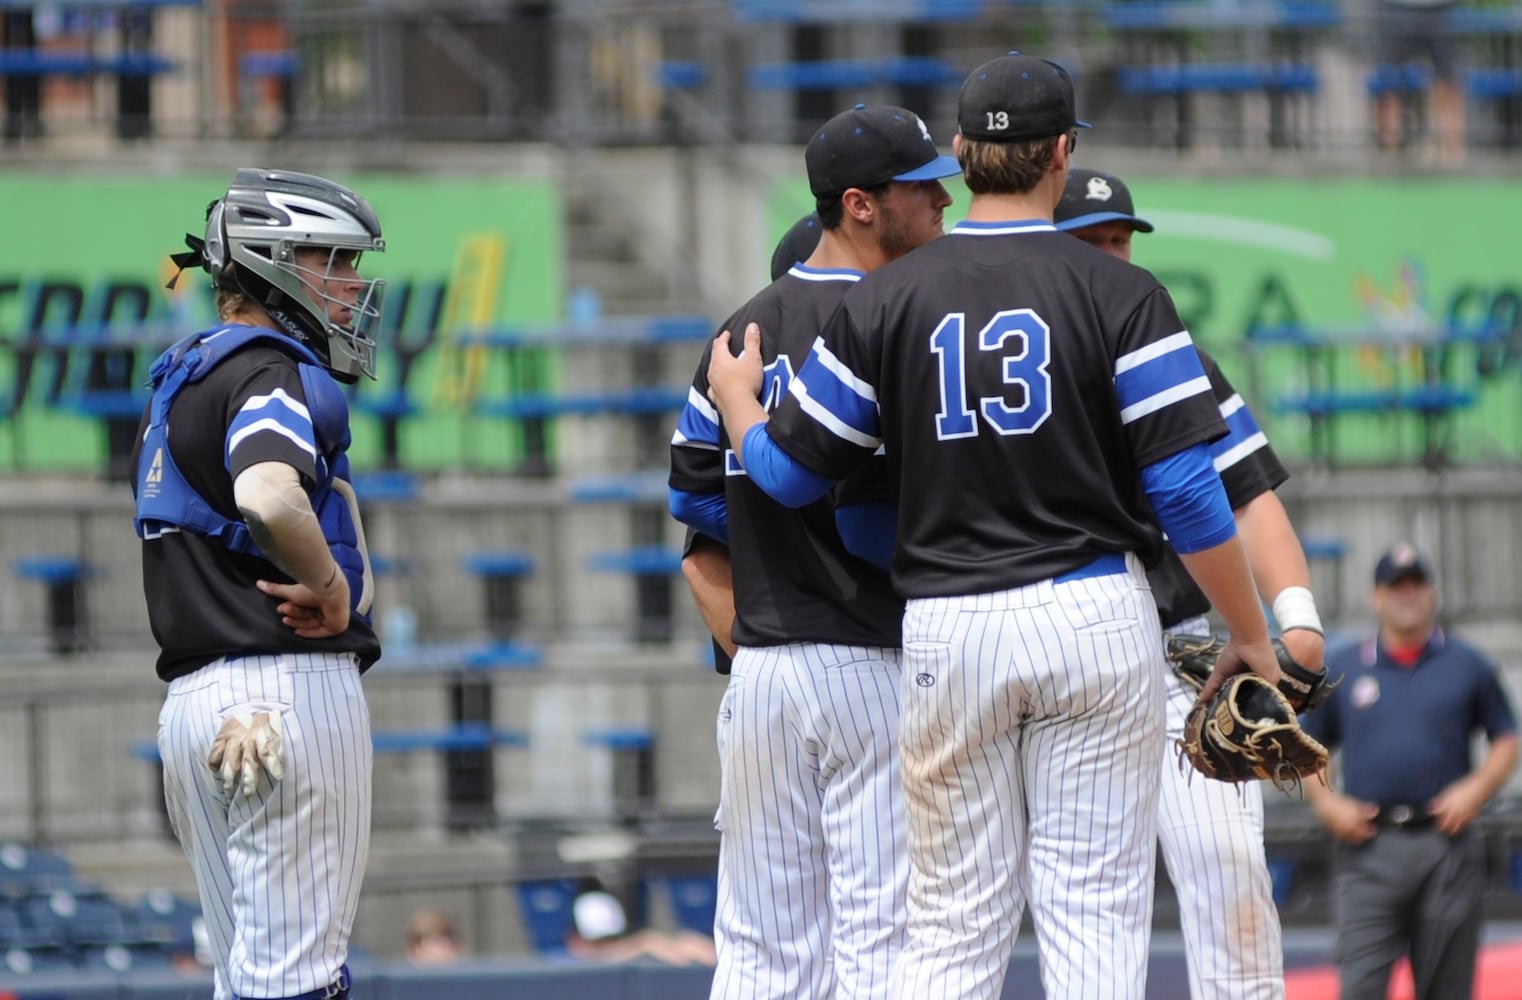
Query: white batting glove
x=248, y=743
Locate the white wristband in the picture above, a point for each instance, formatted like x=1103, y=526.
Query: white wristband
x=1295, y=607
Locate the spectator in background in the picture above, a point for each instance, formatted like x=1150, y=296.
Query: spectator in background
x=601, y=931
x=1410, y=868
x=433, y=939
x=1414, y=32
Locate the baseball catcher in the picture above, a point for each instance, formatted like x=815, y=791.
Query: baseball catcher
x=1248, y=729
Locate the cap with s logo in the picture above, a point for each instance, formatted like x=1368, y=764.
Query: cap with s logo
x=1091, y=197
x=1015, y=98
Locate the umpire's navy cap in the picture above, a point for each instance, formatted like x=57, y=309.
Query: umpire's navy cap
x=1402, y=562
x=871, y=145
x=797, y=244
x=1091, y=197
x=1015, y=98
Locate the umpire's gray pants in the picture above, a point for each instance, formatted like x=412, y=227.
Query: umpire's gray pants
x=1412, y=892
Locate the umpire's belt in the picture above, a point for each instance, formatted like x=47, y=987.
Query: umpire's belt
x=1404, y=817
x=1107, y=565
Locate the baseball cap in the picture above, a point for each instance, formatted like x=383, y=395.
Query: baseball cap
x=796, y=244
x=1091, y=197
x=1014, y=98
x=871, y=145
x=1402, y=562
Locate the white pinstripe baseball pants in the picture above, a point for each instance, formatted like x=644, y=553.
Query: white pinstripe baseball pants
x=1212, y=839
x=279, y=872
x=1031, y=738
x=812, y=863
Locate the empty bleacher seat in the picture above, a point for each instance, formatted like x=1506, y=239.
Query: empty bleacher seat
x=38, y=960
x=633, y=750
x=64, y=577
x=25, y=872
x=1399, y=79
x=694, y=900
x=462, y=736
x=501, y=576
x=1219, y=78
x=855, y=74
x=545, y=905
x=846, y=10
x=167, y=919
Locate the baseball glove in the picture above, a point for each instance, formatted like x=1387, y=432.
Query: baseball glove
x=1248, y=731
x=1193, y=657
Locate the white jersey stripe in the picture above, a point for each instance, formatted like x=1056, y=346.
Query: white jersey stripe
x=828, y=420
x=848, y=378
x=1233, y=403
x=702, y=404
x=1168, y=397
x=277, y=397
x=270, y=425
x=1236, y=453
x=1177, y=342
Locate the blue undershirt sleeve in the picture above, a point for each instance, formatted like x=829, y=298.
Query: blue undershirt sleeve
x=778, y=474
x=1189, y=500
x=706, y=512
x=869, y=531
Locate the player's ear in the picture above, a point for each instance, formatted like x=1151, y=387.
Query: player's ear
x=859, y=205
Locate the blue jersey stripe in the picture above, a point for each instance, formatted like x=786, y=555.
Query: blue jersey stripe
x=1149, y=385
x=699, y=423
x=1243, y=436
x=834, y=396
x=273, y=413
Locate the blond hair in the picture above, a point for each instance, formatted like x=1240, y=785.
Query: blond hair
x=1004, y=167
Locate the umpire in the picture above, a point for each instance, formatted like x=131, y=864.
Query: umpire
x=1411, y=868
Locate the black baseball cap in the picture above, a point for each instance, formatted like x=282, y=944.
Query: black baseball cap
x=1091, y=197
x=796, y=244
x=871, y=145
x=1014, y=98
x=1402, y=562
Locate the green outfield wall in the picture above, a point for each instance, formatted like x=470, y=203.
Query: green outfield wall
x=85, y=260
x=1373, y=266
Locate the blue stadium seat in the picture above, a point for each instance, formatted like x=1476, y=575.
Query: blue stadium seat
x=167, y=919
x=642, y=560
x=1391, y=78
x=79, y=919
x=13, y=931
x=37, y=960
x=125, y=957
x=546, y=909
x=694, y=900
x=855, y=74
x=24, y=871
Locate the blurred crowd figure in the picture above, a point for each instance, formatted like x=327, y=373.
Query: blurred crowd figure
x=433, y=939
x=601, y=931
x=1412, y=34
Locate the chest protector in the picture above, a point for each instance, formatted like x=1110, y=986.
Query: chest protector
x=166, y=502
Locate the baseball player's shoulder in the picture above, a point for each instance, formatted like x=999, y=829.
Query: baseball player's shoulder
x=1108, y=275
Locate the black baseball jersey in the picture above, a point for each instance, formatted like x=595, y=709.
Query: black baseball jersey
x=794, y=579
x=202, y=600
x=1019, y=379
x=1248, y=467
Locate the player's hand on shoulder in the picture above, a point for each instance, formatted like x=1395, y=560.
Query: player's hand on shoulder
x=309, y=614
x=728, y=373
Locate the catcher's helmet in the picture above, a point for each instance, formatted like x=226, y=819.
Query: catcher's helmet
x=252, y=234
